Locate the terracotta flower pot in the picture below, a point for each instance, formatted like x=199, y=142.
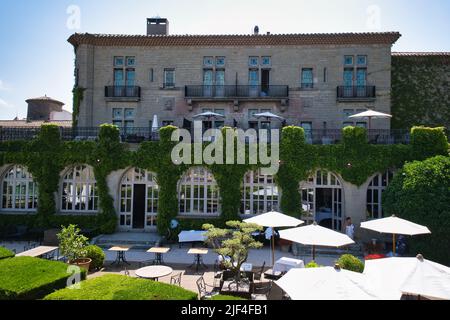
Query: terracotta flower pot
x=82, y=263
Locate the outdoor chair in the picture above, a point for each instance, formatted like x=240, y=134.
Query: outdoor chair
x=176, y=279
x=258, y=275
x=203, y=290
x=262, y=292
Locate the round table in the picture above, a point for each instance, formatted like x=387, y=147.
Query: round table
x=154, y=272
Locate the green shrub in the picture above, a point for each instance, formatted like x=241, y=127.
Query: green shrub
x=117, y=287
x=351, y=263
x=312, y=264
x=220, y=297
x=421, y=193
x=6, y=253
x=27, y=278
x=428, y=142
x=97, y=255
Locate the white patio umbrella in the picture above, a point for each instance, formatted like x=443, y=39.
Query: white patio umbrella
x=326, y=283
x=274, y=220
x=268, y=115
x=209, y=115
x=396, y=276
x=155, y=124
x=315, y=235
x=371, y=114
x=395, y=226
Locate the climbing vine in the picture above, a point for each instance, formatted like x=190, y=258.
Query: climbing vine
x=420, y=91
x=78, y=95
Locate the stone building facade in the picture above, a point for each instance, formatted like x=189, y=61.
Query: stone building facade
x=313, y=80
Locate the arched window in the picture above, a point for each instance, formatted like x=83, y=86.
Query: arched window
x=375, y=191
x=198, y=193
x=259, y=193
x=322, y=199
x=139, y=194
x=79, y=190
x=19, y=191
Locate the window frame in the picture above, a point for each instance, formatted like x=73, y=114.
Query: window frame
x=12, y=184
x=88, y=184
x=254, y=181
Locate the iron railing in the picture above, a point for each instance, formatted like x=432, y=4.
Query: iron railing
x=137, y=135
x=122, y=92
x=374, y=136
x=356, y=92
x=236, y=91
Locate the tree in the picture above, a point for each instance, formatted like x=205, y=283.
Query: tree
x=421, y=193
x=233, y=244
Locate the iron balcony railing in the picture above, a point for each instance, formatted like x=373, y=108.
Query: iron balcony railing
x=137, y=135
x=236, y=91
x=374, y=136
x=122, y=92
x=356, y=92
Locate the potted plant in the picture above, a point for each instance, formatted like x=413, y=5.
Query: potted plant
x=73, y=246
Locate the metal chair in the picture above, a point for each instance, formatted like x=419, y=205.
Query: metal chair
x=176, y=279
x=203, y=289
x=262, y=292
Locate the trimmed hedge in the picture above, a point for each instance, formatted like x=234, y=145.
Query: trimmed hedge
x=26, y=278
x=351, y=263
x=6, y=253
x=117, y=287
x=97, y=255
x=421, y=193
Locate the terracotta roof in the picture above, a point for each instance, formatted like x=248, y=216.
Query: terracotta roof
x=235, y=40
x=45, y=98
x=31, y=124
x=443, y=57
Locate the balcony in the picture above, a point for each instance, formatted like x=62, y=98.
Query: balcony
x=140, y=134
x=356, y=93
x=236, y=92
x=122, y=93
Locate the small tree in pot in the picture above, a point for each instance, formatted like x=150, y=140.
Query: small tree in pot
x=73, y=245
x=233, y=244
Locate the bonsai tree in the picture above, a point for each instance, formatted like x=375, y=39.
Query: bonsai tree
x=72, y=243
x=233, y=244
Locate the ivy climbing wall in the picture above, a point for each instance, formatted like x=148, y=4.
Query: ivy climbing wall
x=420, y=90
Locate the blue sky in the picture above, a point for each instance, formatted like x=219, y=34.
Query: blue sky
x=36, y=59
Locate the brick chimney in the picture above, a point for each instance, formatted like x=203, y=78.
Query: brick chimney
x=157, y=26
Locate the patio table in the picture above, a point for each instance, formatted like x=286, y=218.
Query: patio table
x=191, y=236
x=37, y=252
x=154, y=272
x=120, y=254
x=158, y=254
x=198, y=262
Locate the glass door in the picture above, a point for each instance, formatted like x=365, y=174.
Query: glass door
x=207, y=83
x=220, y=83
x=253, y=82
x=337, y=210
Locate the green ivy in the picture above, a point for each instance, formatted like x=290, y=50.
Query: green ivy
x=420, y=91
x=47, y=156
x=78, y=95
